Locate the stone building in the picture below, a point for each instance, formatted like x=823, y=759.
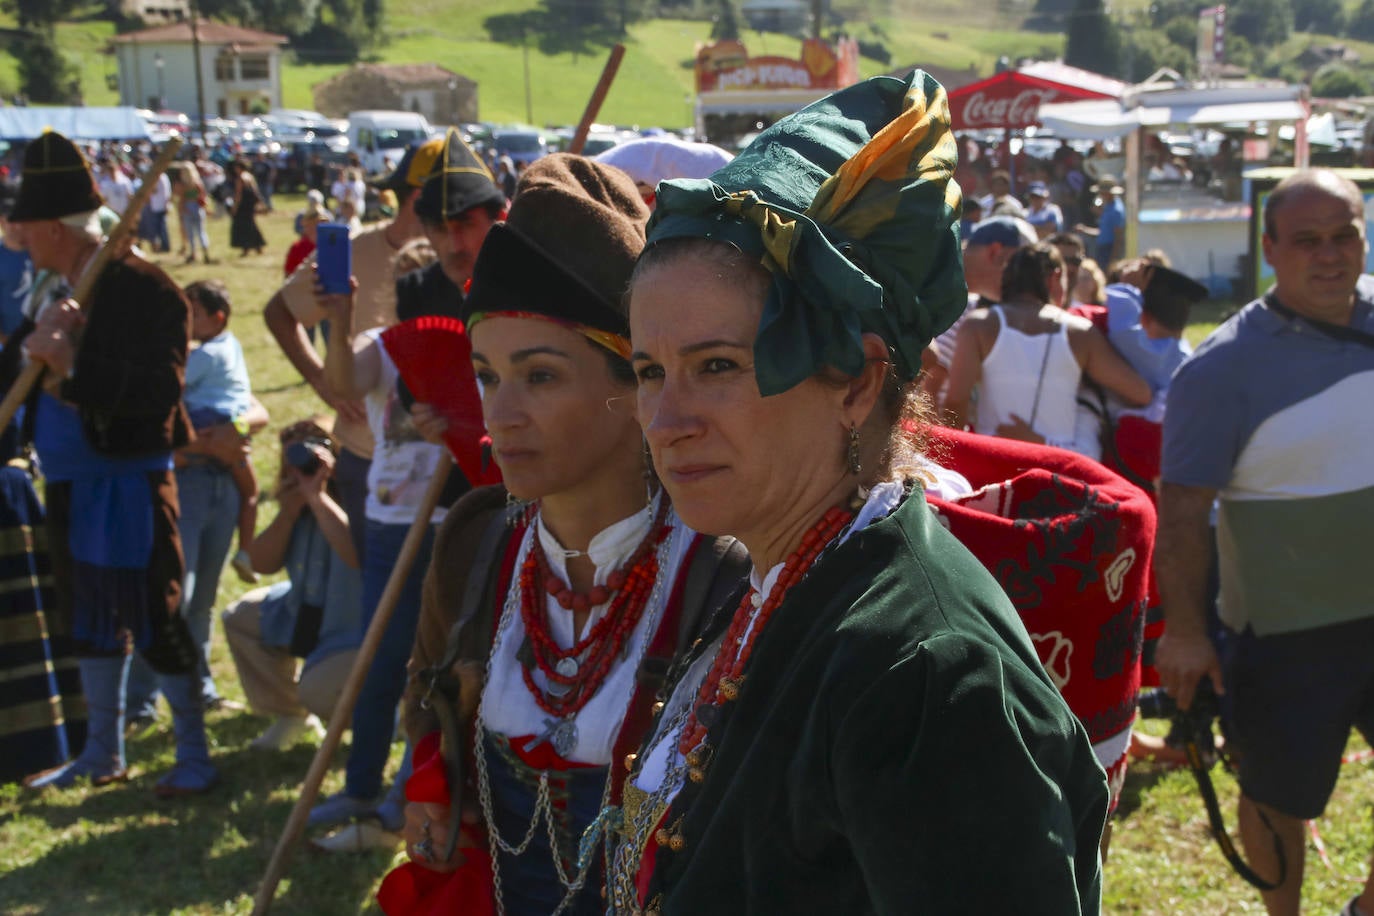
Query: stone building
x=442, y=96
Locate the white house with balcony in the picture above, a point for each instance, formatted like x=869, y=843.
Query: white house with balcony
x=240, y=69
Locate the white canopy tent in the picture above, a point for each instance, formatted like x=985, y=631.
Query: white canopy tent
x=1151, y=105
x=1099, y=119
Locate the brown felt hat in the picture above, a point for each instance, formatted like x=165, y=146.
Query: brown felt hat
x=568, y=246
x=56, y=181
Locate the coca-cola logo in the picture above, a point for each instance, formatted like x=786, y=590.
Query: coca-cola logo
x=1014, y=111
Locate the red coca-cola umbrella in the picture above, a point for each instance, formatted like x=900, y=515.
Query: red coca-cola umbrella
x=1010, y=100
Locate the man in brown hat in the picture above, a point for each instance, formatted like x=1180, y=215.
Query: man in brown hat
x=105, y=426
x=293, y=308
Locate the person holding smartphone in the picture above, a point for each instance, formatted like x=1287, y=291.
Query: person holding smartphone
x=315, y=613
x=293, y=310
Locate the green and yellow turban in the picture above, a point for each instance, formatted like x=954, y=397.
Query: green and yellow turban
x=850, y=203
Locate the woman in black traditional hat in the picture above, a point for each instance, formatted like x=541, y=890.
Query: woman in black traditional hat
x=871, y=730
x=571, y=599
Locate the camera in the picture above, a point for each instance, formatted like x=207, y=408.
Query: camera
x=302, y=455
x=1194, y=723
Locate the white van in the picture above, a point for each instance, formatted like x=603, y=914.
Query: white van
x=381, y=138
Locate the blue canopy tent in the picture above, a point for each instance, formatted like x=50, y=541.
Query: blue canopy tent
x=110, y=123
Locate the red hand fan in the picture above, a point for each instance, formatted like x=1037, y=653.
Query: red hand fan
x=434, y=357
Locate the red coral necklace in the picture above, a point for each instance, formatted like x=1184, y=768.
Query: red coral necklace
x=574, y=675
x=726, y=677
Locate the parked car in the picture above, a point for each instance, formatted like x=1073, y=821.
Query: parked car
x=293, y=167
x=381, y=138
x=522, y=145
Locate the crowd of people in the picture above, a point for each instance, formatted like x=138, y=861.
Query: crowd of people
x=722, y=608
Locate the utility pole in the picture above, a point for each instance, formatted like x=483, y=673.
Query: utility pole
x=525, y=53
x=195, y=62
x=817, y=15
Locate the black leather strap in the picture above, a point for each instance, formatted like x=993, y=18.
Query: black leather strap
x=1197, y=763
x=481, y=583
x=1341, y=332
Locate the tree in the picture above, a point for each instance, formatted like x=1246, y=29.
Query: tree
x=374, y=11
x=1240, y=52
x=1362, y=22
x=1182, y=31
x=46, y=77
x=1054, y=7
x=1148, y=50
x=40, y=13
x=45, y=74
x=289, y=17
x=1093, y=42
x=1337, y=81
x=1162, y=12
x=1324, y=16
x=725, y=24
x=1261, y=22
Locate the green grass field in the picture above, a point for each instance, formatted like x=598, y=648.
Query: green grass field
x=119, y=852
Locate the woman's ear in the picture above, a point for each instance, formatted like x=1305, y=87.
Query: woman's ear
x=863, y=391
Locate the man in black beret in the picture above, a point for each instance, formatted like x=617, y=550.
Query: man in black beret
x=105, y=425
x=457, y=205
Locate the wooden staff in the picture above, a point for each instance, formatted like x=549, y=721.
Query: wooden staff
x=343, y=707
x=33, y=372
x=386, y=606
x=603, y=86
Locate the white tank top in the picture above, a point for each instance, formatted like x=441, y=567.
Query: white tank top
x=1033, y=376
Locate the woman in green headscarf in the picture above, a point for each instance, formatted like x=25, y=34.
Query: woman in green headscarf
x=870, y=730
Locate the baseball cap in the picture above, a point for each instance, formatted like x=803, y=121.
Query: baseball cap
x=1037, y=189
x=414, y=166
x=1011, y=231
x=1108, y=183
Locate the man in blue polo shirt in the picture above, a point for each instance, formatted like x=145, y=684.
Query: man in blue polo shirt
x=1271, y=418
x=1109, y=236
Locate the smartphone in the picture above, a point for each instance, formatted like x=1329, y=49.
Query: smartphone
x=333, y=257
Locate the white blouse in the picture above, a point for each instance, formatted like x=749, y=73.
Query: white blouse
x=508, y=708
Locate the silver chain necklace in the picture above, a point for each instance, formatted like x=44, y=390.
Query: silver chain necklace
x=543, y=807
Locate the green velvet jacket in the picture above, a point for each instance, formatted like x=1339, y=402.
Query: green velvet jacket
x=896, y=749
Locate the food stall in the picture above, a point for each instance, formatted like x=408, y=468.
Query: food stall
x=738, y=94
x=1207, y=238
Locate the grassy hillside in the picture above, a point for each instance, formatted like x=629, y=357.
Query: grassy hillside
x=655, y=82
x=84, y=43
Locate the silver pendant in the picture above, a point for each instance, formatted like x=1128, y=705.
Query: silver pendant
x=565, y=737
x=566, y=667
